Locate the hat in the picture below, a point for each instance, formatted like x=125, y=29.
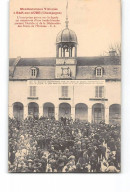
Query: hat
x=30, y=161
x=71, y=157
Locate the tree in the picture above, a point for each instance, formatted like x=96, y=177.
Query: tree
x=116, y=48
x=113, y=50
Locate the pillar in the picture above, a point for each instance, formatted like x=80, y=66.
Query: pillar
x=69, y=52
x=57, y=113
x=25, y=111
x=61, y=52
x=90, y=114
x=75, y=51
x=64, y=52
x=57, y=51
x=73, y=113
x=10, y=110
x=40, y=111
x=107, y=115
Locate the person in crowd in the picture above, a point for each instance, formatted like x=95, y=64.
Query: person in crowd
x=112, y=169
x=47, y=145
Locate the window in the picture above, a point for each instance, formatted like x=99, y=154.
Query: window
x=32, y=91
x=115, y=70
x=64, y=91
x=99, y=72
x=99, y=91
x=34, y=72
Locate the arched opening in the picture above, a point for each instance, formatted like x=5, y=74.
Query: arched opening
x=81, y=112
x=73, y=52
x=66, y=51
x=64, y=110
x=48, y=110
x=59, y=52
x=98, y=113
x=18, y=110
x=115, y=114
x=33, y=110
x=70, y=51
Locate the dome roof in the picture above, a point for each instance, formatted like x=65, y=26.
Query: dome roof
x=66, y=35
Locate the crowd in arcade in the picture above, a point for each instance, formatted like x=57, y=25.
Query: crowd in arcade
x=48, y=145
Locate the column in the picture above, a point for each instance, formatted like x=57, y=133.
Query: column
x=73, y=113
x=57, y=51
x=40, y=111
x=107, y=115
x=61, y=52
x=64, y=52
x=75, y=51
x=10, y=111
x=57, y=113
x=90, y=114
x=69, y=52
x=25, y=111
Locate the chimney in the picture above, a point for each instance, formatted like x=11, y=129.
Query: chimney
x=112, y=52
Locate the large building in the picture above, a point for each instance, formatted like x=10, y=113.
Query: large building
x=84, y=88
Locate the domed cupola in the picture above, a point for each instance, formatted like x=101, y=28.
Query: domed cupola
x=66, y=42
x=66, y=35
x=66, y=53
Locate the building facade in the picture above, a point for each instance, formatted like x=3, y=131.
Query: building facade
x=84, y=88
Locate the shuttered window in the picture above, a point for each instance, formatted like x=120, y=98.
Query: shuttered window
x=99, y=91
x=96, y=91
x=64, y=91
x=32, y=91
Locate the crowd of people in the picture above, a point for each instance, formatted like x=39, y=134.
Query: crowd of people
x=47, y=145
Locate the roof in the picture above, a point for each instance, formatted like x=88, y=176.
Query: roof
x=33, y=61
x=44, y=72
x=66, y=35
x=98, y=60
x=20, y=68
x=81, y=61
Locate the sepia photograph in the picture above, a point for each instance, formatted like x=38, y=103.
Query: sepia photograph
x=64, y=105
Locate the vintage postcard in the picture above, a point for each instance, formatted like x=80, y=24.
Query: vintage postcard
x=64, y=86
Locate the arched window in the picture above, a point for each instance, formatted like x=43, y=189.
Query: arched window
x=34, y=72
x=33, y=109
x=115, y=114
x=81, y=112
x=98, y=113
x=64, y=110
x=18, y=109
x=99, y=72
x=49, y=109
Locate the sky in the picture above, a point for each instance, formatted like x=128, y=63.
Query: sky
x=97, y=24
